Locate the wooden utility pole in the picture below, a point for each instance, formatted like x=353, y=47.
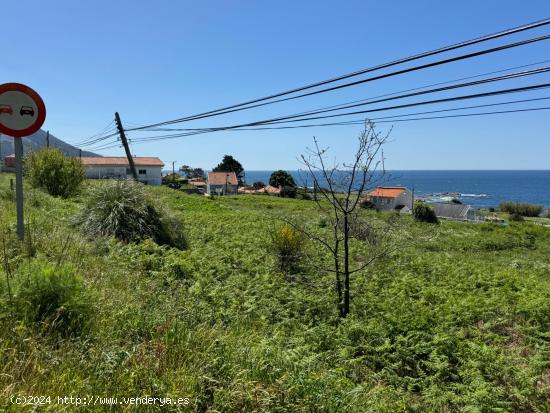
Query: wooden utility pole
x=173, y=171
x=47, y=139
x=125, y=144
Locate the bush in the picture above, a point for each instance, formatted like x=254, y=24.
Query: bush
x=424, y=213
x=54, y=172
x=258, y=185
x=524, y=209
x=170, y=178
x=366, y=204
x=288, y=192
x=124, y=210
x=302, y=193
x=54, y=298
x=516, y=217
x=287, y=244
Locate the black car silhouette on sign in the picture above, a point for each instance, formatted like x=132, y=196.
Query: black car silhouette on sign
x=6, y=109
x=26, y=110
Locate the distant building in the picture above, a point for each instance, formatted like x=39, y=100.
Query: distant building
x=386, y=198
x=149, y=169
x=8, y=164
x=266, y=190
x=222, y=183
x=460, y=212
x=198, y=183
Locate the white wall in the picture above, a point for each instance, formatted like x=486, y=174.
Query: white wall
x=152, y=176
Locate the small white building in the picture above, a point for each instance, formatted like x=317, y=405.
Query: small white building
x=149, y=169
x=222, y=183
x=386, y=198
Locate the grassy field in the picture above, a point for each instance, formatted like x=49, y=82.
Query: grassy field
x=455, y=323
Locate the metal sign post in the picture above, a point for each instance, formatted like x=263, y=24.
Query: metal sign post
x=22, y=112
x=18, y=143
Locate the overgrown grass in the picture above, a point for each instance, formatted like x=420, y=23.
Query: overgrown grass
x=456, y=323
x=522, y=209
x=124, y=209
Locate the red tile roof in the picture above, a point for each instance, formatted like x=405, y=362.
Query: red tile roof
x=272, y=189
x=220, y=178
x=120, y=161
x=387, y=191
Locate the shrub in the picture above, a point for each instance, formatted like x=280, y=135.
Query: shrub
x=287, y=244
x=524, y=209
x=516, y=217
x=54, y=298
x=304, y=194
x=54, y=172
x=424, y=213
x=258, y=185
x=288, y=192
x=366, y=204
x=124, y=210
x=166, y=179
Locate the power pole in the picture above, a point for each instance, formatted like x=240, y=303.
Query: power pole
x=173, y=171
x=47, y=139
x=125, y=144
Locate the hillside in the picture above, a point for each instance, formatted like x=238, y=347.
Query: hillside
x=38, y=140
x=456, y=322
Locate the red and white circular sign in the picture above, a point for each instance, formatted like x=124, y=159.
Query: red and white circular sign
x=22, y=110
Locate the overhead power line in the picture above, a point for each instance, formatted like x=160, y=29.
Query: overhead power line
x=383, y=121
x=510, y=102
x=106, y=129
x=247, y=104
x=367, y=100
x=292, y=118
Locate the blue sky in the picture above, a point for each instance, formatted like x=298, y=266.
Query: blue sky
x=154, y=61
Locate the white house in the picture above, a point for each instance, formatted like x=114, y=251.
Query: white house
x=386, y=198
x=149, y=169
x=222, y=183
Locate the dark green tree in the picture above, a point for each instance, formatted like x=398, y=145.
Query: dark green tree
x=190, y=172
x=258, y=185
x=197, y=173
x=230, y=164
x=281, y=178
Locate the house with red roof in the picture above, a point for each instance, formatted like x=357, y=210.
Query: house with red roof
x=386, y=198
x=149, y=169
x=222, y=183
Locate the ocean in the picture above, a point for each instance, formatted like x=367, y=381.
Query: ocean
x=481, y=189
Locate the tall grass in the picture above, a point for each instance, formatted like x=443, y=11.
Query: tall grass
x=523, y=209
x=123, y=209
x=457, y=324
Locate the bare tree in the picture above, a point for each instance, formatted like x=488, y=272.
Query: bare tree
x=339, y=190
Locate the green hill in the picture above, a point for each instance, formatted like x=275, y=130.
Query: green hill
x=456, y=322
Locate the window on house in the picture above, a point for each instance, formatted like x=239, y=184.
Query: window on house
x=142, y=172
